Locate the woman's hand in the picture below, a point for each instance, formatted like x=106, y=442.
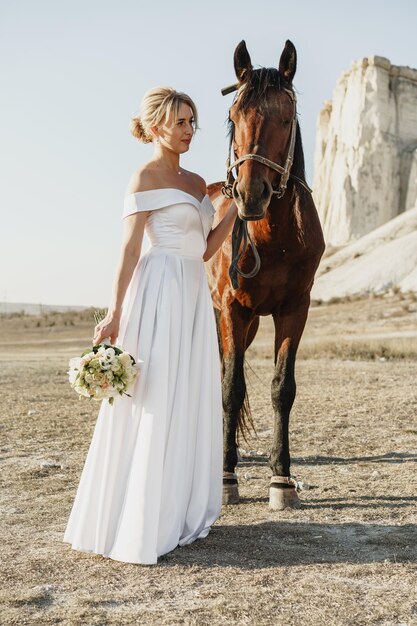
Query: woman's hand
x=108, y=327
x=218, y=234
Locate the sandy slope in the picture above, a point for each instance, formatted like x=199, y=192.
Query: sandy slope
x=382, y=260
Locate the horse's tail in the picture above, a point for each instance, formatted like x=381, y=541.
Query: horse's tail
x=245, y=423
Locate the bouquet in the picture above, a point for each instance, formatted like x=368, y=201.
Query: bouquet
x=103, y=371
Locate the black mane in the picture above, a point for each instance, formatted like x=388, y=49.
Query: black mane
x=255, y=95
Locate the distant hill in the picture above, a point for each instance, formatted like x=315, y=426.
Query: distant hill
x=36, y=309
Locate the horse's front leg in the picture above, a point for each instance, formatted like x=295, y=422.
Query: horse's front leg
x=288, y=331
x=234, y=323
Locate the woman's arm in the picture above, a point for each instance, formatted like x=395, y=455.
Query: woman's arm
x=218, y=234
x=134, y=226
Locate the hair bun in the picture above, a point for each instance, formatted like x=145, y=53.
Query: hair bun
x=137, y=130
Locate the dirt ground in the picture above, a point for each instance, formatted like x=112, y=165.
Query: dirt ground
x=348, y=556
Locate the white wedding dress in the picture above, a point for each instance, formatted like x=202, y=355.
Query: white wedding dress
x=152, y=477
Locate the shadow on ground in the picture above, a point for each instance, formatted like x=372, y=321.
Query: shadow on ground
x=271, y=544
x=388, y=457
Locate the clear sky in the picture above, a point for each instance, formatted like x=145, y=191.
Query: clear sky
x=73, y=74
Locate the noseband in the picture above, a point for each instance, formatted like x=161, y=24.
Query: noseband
x=240, y=228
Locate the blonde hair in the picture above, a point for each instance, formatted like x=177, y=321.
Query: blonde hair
x=155, y=107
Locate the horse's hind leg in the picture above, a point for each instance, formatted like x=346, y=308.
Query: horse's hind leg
x=288, y=331
x=233, y=328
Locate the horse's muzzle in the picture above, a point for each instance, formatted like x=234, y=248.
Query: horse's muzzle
x=252, y=203
x=250, y=217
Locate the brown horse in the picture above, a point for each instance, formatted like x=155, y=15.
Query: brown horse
x=285, y=230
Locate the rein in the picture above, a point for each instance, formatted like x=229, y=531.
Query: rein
x=240, y=232
x=240, y=229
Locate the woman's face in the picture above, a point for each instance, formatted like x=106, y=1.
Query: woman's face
x=177, y=134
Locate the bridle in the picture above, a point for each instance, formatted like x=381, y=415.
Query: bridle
x=240, y=228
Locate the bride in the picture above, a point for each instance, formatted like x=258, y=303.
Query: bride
x=152, y=478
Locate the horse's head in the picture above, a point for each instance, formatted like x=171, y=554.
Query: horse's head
x=262, y=124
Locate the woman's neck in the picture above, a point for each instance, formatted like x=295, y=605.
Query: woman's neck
x=166, y=159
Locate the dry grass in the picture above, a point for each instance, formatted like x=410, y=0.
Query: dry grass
x=361, y=349
x=348, y=556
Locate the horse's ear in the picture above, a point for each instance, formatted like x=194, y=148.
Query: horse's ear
x=288, y=61
x=242, y=61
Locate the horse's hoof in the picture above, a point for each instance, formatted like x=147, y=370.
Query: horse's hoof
x=230, y=489
x=283, y=494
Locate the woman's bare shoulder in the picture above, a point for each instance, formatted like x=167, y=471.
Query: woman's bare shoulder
x=142, y=179
x=198, y=181
x=146, y=178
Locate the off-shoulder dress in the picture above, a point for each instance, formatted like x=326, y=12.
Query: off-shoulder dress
x=152, y=477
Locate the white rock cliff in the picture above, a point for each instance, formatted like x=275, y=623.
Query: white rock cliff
x=366, y=150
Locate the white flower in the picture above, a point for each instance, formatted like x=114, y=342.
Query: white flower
x=82, y=391
x=72, y=377
x=125, y=359
x=74, y=369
